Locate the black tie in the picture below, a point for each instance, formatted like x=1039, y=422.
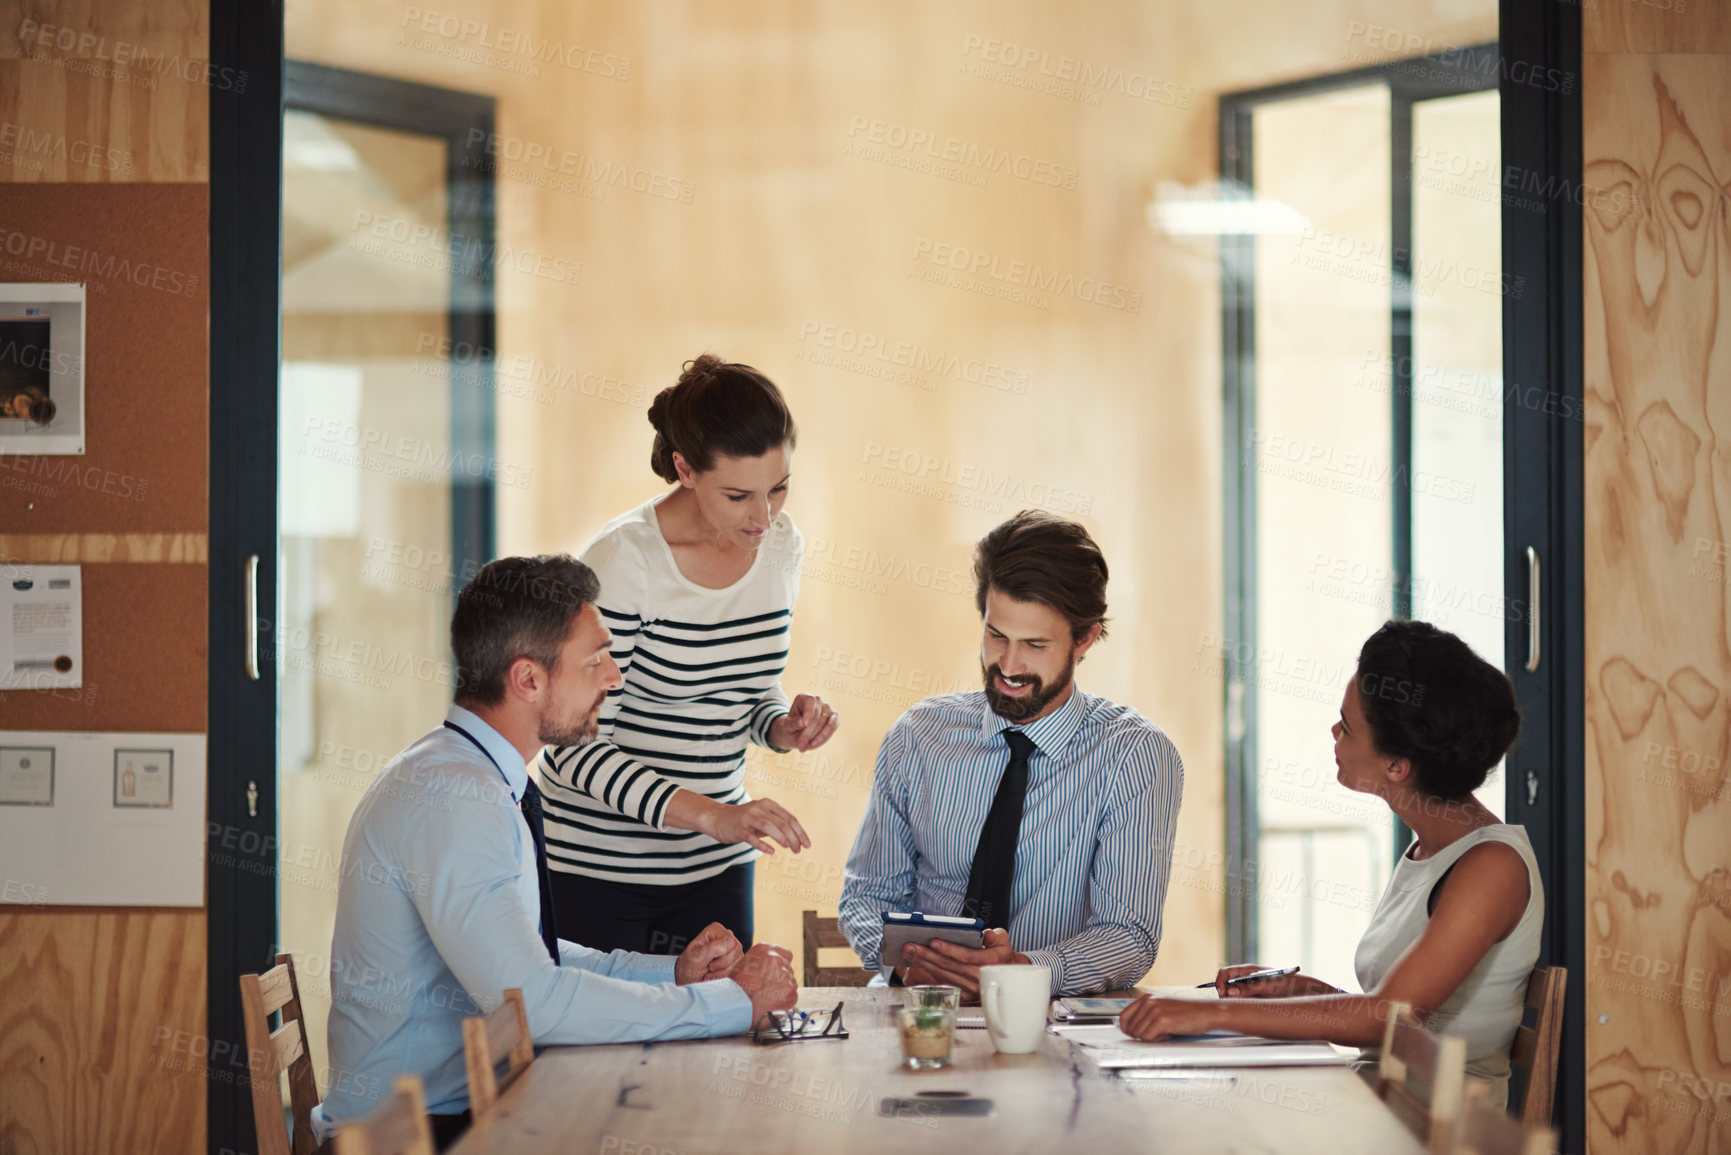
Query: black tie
x=532, y=815
x=994, y=869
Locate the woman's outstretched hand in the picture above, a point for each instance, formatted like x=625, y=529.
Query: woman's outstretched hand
x=808, y=724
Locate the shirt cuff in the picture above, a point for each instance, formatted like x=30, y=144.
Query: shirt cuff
x=726, y=1006
x=655, y=811
x=872, y=959
x=1049, y=958
x=765, y=716
x=656, y=968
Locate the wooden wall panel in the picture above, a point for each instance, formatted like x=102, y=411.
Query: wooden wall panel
x=63, y=548
x=101, y=91
x=1657, y=143
x=128, y=1079
x=1625, y=26
x=103, y=145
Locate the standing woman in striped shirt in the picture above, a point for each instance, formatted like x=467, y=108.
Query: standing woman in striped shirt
x=650, y=833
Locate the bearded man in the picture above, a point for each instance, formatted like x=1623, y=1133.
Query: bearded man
x=1043, y=810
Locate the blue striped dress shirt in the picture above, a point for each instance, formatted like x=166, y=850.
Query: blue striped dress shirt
x=1095, y=846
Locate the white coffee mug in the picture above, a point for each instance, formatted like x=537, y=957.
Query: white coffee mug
x=1016, y=999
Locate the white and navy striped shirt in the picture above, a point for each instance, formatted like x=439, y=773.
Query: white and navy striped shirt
x=1094, y=850
x=702, y=670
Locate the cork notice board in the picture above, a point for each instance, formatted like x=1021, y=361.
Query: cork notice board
x=142, y=252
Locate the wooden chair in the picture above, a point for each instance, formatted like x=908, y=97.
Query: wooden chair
x=1486, y=1130
x=399, y=1127
x=819, y=934
x=270, y=1053
x=504, y=1034
x=1431, y=1104
x=1535, y=1047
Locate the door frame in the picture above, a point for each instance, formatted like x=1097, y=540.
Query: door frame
x=245, y=345
x=1544, y=495
x=245, y=361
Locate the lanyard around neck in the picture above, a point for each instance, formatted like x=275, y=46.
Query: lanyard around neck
x=488, y=754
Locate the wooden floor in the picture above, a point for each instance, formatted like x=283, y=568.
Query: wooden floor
x=721, y=1095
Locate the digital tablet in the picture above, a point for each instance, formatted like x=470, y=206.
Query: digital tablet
x=1083, y=1009
x=901, y=929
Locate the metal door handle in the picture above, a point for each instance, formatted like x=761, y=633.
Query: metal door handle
x=251, y=617
x=1533, y=592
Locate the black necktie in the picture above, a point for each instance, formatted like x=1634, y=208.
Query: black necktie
x=994, y=869
x=532, y=815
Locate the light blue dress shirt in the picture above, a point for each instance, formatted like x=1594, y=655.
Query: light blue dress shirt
x=438, y=914
x=1093, y=852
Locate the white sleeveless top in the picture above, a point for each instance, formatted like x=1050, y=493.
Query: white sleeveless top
x=1485, y=1009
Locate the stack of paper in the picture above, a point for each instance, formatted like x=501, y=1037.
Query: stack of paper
x=1112, y=1049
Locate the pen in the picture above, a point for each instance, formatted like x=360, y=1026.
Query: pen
x=1256, y=976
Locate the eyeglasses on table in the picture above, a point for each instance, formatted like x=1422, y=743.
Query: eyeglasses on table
x=798, y=1026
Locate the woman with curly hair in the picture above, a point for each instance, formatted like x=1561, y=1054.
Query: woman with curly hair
x=1456, y=934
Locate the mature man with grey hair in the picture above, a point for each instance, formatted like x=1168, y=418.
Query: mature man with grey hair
x=444, y=872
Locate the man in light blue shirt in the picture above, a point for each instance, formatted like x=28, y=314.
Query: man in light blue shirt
x=441, y=906
x=1043, y=810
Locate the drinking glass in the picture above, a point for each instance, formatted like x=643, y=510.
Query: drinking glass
x=928, y=1033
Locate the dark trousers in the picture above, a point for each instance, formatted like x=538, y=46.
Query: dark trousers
x=447, y=1129
x=652, y=919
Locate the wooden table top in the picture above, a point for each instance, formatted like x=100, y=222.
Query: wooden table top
x=808, y=1098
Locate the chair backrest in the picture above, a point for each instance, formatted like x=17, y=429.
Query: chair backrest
x=821, y=933
x=1535, y=1047
x=504, y=1034
x=1422, y=1078
x=399, y=1127
x=269, y=1053
x=1486, y=1130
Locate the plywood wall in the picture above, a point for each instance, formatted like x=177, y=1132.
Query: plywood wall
x=1657, y=147
x=103, y=149
x=778, y=183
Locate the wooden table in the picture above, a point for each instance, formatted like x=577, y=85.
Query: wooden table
x=809, y=1098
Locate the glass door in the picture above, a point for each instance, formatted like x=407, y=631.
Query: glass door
x=1457, y=379
x=1322, y=447
x=1365, y=456
x=384, y=459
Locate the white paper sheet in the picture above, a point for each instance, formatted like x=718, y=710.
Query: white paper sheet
x=1188, y=1055
x=1191, y=994
x=1108, y=1035
x=41, y=627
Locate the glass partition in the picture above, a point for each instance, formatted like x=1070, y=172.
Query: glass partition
x=364, y=477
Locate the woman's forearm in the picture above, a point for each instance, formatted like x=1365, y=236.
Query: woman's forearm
x=1351, y=1020
x=689, y=810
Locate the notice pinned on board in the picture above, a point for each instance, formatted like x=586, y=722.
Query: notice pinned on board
x=41, y=627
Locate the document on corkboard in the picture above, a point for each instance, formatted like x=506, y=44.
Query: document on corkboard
x=41, y=627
